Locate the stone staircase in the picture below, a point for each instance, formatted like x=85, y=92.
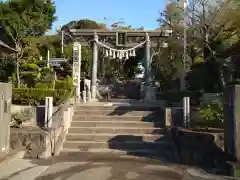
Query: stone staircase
x=135, y=129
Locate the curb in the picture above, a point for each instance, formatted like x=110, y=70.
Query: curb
x=11, y=157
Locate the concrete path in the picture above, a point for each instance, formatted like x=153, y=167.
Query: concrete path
x=89, y=166
x=21, y=169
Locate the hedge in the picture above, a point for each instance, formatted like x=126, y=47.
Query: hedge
x=34, y=96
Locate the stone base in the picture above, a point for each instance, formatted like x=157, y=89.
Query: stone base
x=150, y=94
x=200, y=148
x=35, y=141
x=41, y=143
x=233, y=169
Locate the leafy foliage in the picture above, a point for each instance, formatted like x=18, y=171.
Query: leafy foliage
x=33, y=96
x=212, y=27
x=167, y=64
x=25, y=18
x=7, y=67
x=210, y=115
x=66, y=84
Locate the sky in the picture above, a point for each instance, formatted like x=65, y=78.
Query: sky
x=137, y=13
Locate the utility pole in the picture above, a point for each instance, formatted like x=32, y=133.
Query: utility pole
x=186, y=100
x=184, y=45
x=62, y=33
x=183, y=82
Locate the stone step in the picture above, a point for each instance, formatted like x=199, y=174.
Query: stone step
x=135, y=152
x=116, y=137
x=84, y=145
x=121, y=108
x=116, y=113
x=115, y=124
x=153, y=118
x=116, y=130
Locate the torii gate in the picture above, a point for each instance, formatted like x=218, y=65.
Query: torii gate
x=98, y=38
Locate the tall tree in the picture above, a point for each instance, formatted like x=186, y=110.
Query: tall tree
x=210, y=23
x=86, y=51
x=212, y=26
x=167, y=64
x=25, y=18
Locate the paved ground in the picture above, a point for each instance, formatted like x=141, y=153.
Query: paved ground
x=92, y=167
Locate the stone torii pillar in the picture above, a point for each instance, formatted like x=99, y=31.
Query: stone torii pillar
x=149, y=92
x=147, y=62
x=94, y=66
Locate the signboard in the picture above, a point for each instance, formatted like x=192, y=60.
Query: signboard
x=57, y=61
x=168, y=117
x=76, y=64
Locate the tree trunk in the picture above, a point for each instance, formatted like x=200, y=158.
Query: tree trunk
x=18, y=57
x=18, y=74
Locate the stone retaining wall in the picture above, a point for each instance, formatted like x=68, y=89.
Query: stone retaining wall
x=202, y=147
x=41, y=142
x=37, y=113
x=35, y=141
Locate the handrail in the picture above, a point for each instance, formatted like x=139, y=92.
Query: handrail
x=62, y=105
x=59, y=117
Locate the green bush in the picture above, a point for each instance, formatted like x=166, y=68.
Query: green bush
x=66, y=84
x=42, y=86
x=210, y=115
x=34, y=96
x=30, y=67
x=41, y=63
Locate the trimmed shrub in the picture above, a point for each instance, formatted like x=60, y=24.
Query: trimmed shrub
x=42, y=86
x=210, y=115
x=66, y=84
x=34, y=96
x=30, y=67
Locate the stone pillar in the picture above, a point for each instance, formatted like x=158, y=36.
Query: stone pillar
x=147, y=74
x=186, y=111
x=94, y=66
x=87, y=84
x=232, y=121
x=77, y=56
x=147, y=62
x=48, y=111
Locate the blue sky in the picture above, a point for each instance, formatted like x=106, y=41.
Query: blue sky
x=135, y=12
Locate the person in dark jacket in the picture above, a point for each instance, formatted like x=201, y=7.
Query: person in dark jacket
x=81, y=88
